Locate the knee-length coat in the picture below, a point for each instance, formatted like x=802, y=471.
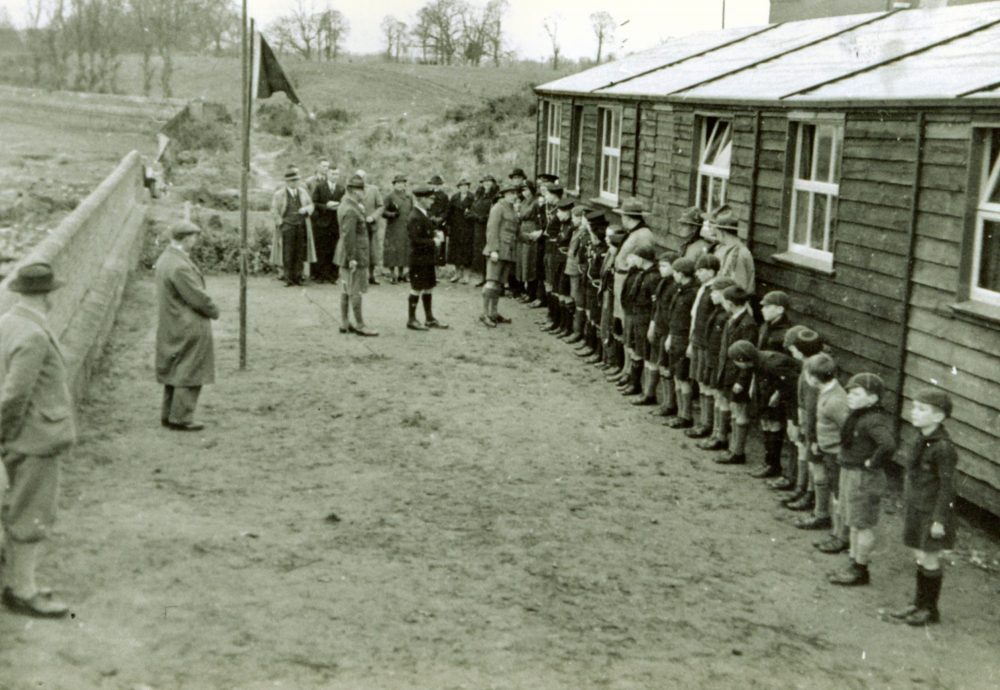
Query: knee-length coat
x=460, y=229
x=185, y=355
x=398, y=206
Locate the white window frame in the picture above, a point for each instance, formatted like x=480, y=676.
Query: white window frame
x=715, y=174
x=986, y=210
x=553, y=138
x=611, y=149
x=812, y=186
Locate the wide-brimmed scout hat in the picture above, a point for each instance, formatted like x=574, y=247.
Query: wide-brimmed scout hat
x=691, y=216
x=725, y=219
x=632, y=207
x=34, y=279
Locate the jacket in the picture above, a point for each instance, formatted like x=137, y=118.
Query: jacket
x=321, y=192
x=930, y=463
x=579, y=237
x=778, y=373
x=740, y=327
x=645, y=288
x=701, y=315
x=502, y=231
x=772, y=335
x=831, y=413
x=866, y=437
x=36, y=408
x=353, y=242
x=629, y=288
x=680, y=314
x=279, y=202
x=185, y=354
x=661, y=304
x=737, y=265
x=808, y=398
x=420, y=229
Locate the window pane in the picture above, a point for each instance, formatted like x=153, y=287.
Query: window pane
x=989, y=257
x=800, y=218
x=824, y=152
x=702, y=200
x=616, y=130
x=818, y=222
x=613, y=181
x=721, y=147
x=807, y=136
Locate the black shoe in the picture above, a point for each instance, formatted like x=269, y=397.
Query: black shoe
x=585, y=354
x=498, y=318
x=40, y=605
x=832, y=545
x=679, y=423
x=781, y=484
x=854, y=576
x=731, y=459
x=765, y=472
x=372, y=281
x=577, y=338
x=628, y=390
x=922, y=617
x=664, y=412
x=713, y=444
x=792, y=498
x=434, y=323
x=644, y=401
x=185, y=427
x=415, y=325
x=698, y=431
x=344, y=329
x=807, y=502
x=814, y=523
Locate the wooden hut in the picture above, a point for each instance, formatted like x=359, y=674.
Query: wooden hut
x=862, y=154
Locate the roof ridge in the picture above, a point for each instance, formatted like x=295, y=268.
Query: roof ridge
x=888, y=61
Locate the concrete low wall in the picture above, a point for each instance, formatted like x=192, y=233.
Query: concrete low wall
x=93, y=249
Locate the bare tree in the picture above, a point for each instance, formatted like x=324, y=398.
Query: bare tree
x=551, y=26
x=482, y=32
x=604, y=29
x=93, y=31
x=298, y=30
x=218, y=23
x=439, y=26
x=331, y=29
x=394, y=32
x=496, y=10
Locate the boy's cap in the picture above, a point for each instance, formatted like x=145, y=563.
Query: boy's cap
x=742, y=351
x=723, y=284
x=736, y=295
x=821, y=365
x=566, y=204
x=777, y=298
x=808, y=342
x=709, y=261
x=872, y=383
x=668, y=256
x=646, y=252
x=683, y=266
x=596, y=218
x=936, y=398
x=691, y=216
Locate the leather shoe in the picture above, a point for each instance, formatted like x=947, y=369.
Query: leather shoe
x=765, y=472
x=643, y=401
x=731, y=459
x=365, y=332
x=679, y=423
x=904, y=613
x=630, y=390
x=664, y=412
x=434, y=323
x=922, y=617
x=185, y=427
x=698, y=431
x=415, y=325
x=854, y=576
x=781, y=484
x=814, y=523
x=807, y=502
x=487, y=321
x=832, y=545
x=39, y=605
x=500, y=318
x=713, y=444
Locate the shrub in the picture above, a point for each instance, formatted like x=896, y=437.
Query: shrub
x=211, y=135
x=219, y=248
x=277, y=118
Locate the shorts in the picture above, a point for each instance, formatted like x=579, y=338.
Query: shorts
x=659, y=355
x=498, y=271
x=422, y=277
x=354, y=282
x=917, y=530
x=702, y=370
x=861, y=496
x=575, y=292
x=640, y=336
x=832, y=467
x=680, y=365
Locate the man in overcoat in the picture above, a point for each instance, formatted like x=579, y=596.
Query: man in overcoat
x=425, y=240
x=373, y=205
x=396, y=250
x=185, y=355
x=326, y=193
x=353, y=256
x=37, y=433
x=502, y=231
x=291, y=207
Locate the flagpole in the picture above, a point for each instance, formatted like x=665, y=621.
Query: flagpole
x=244, y=178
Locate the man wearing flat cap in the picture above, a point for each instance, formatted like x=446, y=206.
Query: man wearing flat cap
x=37, y=433
x=185, y=356
x=353, y=256
x=293, y=246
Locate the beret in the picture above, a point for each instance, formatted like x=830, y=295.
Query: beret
x=872, y=383
x=646, y=252
x=709, y=261
x=736, y=295
x=723, y=284
x=777, y=298
x=936, y=398
x=742, y=351
x=683, y=266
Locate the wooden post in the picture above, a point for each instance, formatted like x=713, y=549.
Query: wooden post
x=244, y=177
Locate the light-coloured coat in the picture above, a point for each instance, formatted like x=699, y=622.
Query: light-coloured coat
x=36, y=408
x=502, y=231
x=185, y=354
x=279, y=203
x=353, y=243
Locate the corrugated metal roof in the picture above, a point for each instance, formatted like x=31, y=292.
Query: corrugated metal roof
x=736, y=56
x=945, y=71
x=942, y=53
x=667, y=53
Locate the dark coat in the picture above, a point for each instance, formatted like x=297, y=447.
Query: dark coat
x=629, y=288
x=420, y=230
x=645, y=288
x=439, y=210
x=661, y=304
x=742, y=327
x=185, y=354
x=772, y=335
x=866, y=437
x=679, y=325
x=778, y=373
x=929, y=490
x=702, y=317
x=460, y=229
x=323, y=192
x=714, y=333
x=396, y=211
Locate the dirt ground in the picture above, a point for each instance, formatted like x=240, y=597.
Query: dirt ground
x=459, y=509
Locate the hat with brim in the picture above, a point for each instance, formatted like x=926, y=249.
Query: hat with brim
x=509, y=187
x=463, y=183
x=292, y=175
x=35, y=279
x=435, y=179
x=488, y=178
x=548, y=177
x=517, y=172
x=566, y=204
x=632, y=208
x=399, y=178
x=356, y=182
x=423, y=190
x=183, y=229
x=646, y=253
x=724, y=219
x=691, y=216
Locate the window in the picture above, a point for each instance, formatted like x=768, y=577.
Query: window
x=554, y=123
x=611, y=153
x=575, y=148
x=714, y=153
x=984, y=283
x=815, y=188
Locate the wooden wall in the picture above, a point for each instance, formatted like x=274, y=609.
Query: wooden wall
x=961, y=356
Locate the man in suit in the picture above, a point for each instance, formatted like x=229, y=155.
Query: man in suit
x=352, y=255
x=37, y=433
x=438, y=211
x=326, y=193
x=185, y=355
x=291, y=207
x=425, y=240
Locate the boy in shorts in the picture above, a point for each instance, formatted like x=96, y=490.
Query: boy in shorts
x=705, y=270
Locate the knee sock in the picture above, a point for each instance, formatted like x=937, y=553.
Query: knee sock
x=652, y=383
x=487, y=294
x=345, y=310
x=725, y=418
x=928, y=588
x=839, y=530
x=669, y=402
x=22, y=560
x=426, y=298
x=707, y=410
x=683, y=400
x=494, y=301
x=412, y=306
x=356, y=306
x=738, y=441
x=802, y=476
x=864, y=544
x=822, y=489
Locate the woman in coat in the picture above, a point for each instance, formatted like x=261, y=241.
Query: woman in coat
x=460, y=230
x=397, y=206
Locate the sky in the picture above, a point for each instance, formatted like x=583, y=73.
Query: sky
x=643, y=23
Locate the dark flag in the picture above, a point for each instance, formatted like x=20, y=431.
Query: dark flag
x=268, y=77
